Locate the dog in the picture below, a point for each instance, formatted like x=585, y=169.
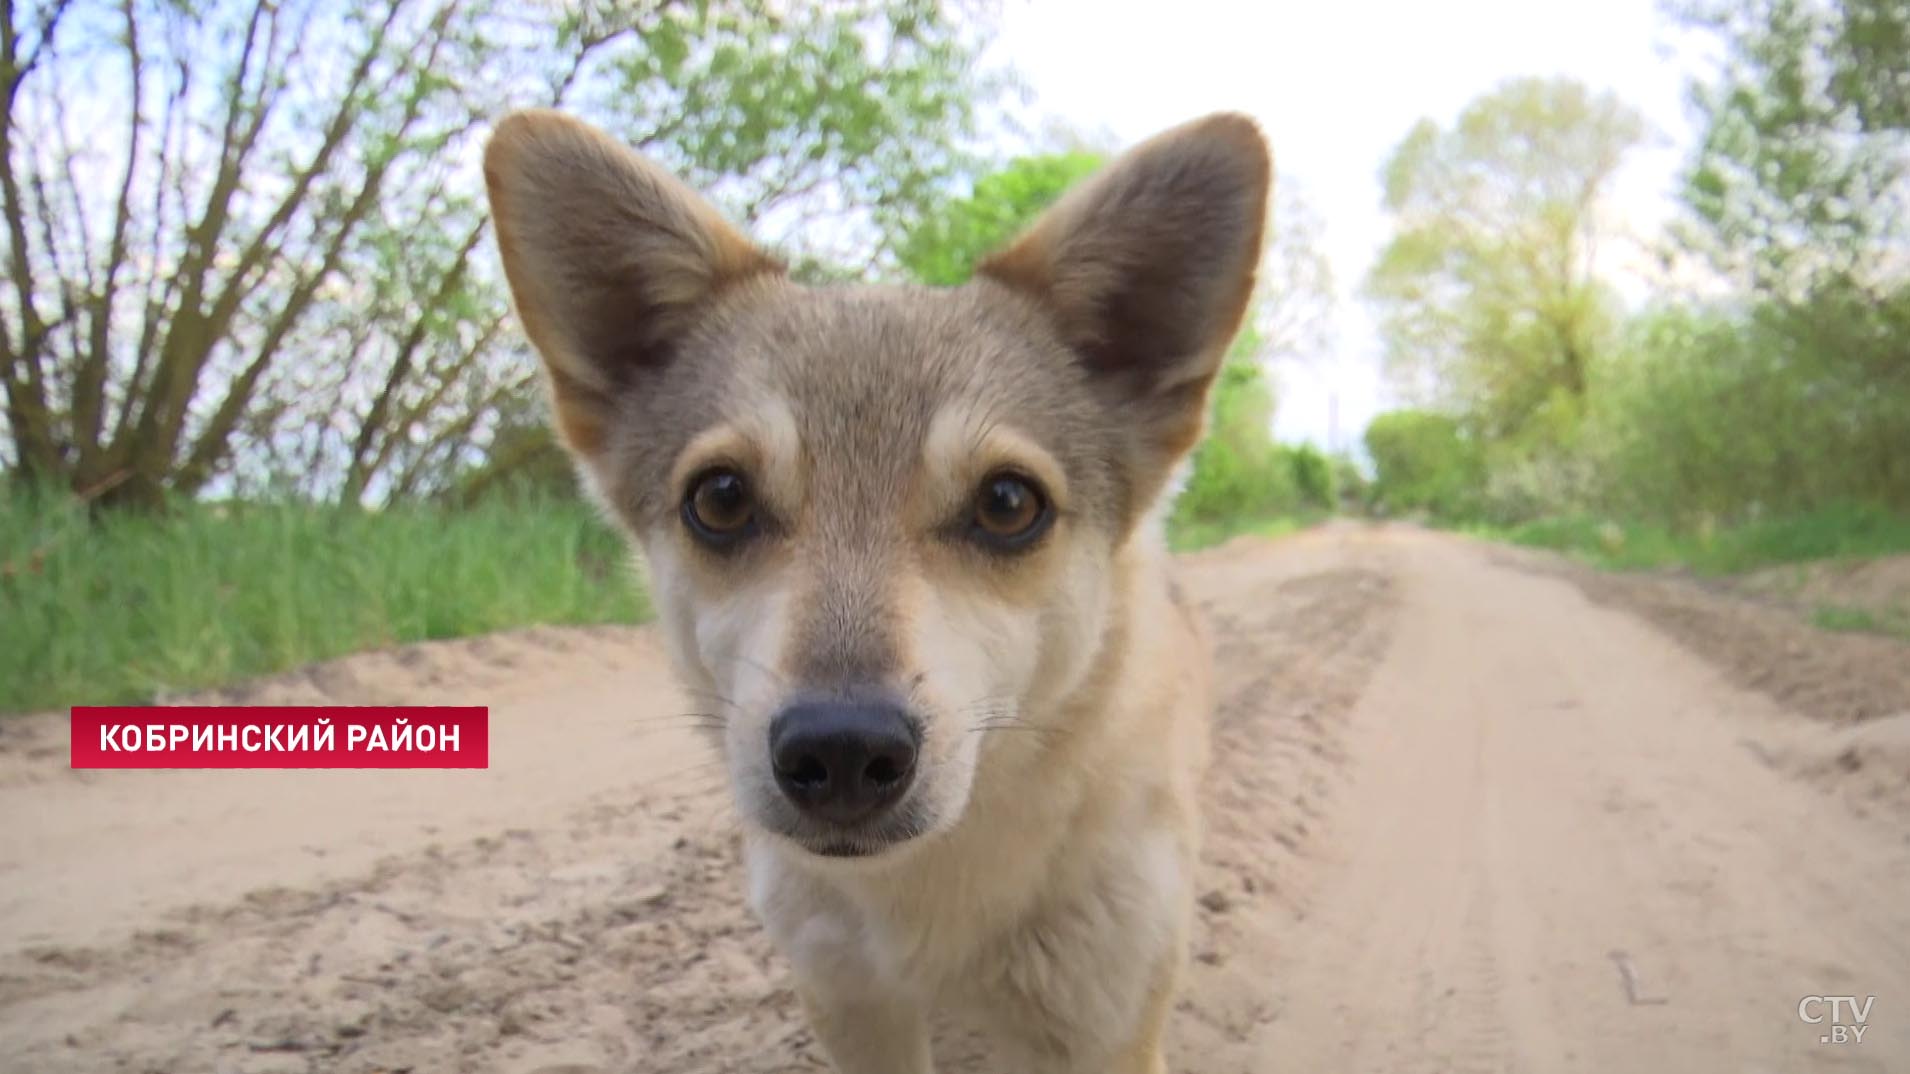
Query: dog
x=906, y=543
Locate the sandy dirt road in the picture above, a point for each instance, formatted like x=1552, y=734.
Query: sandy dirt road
x=1470, y=812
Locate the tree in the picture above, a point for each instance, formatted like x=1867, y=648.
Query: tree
x=1797, y=193
x=1803, y=171
x=1488, y=295
x=1423, y=461
x=943, y=246
x=280, y=280
x=1294, y=314
x=1237, y=470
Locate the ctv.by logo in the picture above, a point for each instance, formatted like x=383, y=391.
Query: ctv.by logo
x=1847, y=1017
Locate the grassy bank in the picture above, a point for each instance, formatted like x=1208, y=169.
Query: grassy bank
x=134, y=607
x=1892, y=621
x=1830, y=533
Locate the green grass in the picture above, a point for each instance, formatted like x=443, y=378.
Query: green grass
x=1838, y=617
x=1895, y=622
x=132, y=607
x=1830, y=533
x=1191, y=535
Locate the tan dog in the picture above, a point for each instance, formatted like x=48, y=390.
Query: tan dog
x=904, y=541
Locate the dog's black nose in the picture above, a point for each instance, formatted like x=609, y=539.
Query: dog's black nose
x=842, y=761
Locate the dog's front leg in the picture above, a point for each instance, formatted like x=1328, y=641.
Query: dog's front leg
x=866, y=1034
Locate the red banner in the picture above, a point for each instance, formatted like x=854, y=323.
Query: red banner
x=318, y=736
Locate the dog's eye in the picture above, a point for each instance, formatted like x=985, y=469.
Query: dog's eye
x=1010, y=512
x=718, y=509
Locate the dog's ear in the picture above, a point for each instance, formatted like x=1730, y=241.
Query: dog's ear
x=609, y=257
x=1147, y=267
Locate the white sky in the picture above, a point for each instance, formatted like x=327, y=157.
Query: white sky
x=1336, y=86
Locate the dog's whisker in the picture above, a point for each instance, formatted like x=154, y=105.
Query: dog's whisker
x=669, y=717
x=712, y=695
x=1007, y=720
x=690, y=725
x=1003, y=703
x=704, y=768
x=670, y=735
x=1010, y=724
x=677, y=723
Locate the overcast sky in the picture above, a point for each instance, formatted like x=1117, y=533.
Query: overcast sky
x=1335, y=86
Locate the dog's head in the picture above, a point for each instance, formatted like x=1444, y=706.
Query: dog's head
x=879, y=521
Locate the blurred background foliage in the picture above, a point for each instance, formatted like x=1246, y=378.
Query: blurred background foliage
x=1766, y=381
x=274, y=279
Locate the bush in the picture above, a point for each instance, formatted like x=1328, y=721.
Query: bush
x=1424, y=462
x=1231, y=480
x=1781, y=410
x=1351, y=484
x=1313, y=482
x=1238, y=471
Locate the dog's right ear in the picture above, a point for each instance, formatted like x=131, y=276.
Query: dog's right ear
x=609, y=258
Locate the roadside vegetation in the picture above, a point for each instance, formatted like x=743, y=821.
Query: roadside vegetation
x=1838, y=532
x=1755, y=409
x=134, y=606
x=1895, y=622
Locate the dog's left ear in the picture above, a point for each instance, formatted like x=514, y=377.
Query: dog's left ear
x=1147, y=268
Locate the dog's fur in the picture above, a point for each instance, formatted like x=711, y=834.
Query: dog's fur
x=1037, y=875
